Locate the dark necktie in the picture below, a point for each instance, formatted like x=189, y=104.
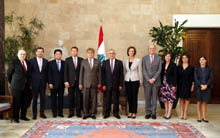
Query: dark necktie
x=24, y=66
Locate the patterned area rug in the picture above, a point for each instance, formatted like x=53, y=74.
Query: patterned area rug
x=111, y=129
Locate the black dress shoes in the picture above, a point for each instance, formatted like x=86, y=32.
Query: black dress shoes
x=106, y=116
x=78, y=115
x=117, y=116
x=147, y=116
x=25, y=119
x=85, y=117
x=43, y=116
x=70, y=115
x=34, y=117
x=61, y=115
x=154, y=117
x=16, y=121
x=93, y=117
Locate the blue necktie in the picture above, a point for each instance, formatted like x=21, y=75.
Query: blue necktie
x=58, y=65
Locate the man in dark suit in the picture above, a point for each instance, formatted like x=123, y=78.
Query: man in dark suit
x=89, y=82
x=112, y=82
x=38, y=80
x=71, y=79
x=56, y=85
x=18, y=79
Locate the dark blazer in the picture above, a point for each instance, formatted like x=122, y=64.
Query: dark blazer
x=55, y=76
x=115, y=79
x=17, y=76
x=35, y=76
x=198, y=74
x=90, y=77
x=171, y=73
x=71, y=74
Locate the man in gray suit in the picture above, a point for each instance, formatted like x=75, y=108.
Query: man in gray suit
x=89, y=82
x=151, y=68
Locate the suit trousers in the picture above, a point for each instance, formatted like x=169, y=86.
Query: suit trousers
x=35, y=92
x=57, y=107
x=89, y=101
x=109, y=93
x=75, y=98
x=21, y=101
x=132, y=93
x=151, y=94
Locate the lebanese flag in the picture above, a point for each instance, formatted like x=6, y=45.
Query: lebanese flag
x=101, y=46
x=101, y=49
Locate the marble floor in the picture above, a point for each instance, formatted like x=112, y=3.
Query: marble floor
x=210, y=130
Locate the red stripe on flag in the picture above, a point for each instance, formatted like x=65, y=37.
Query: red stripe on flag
x=100, y=36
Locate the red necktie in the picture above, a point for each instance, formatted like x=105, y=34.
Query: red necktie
x=24, y=66
x=152, y=60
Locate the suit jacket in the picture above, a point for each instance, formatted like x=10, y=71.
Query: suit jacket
x=197, y=77
x=71, y=74
x=134, y=73
x=150, y=71
x=35, y=76
x=17, y=76
x=171, y=73
x=90, y=77
x=112, y=79
x=55, y=76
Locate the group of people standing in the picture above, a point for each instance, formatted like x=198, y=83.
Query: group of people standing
x=83, y=78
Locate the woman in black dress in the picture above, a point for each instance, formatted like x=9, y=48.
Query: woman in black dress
x=168, y=89
x=185, y=84
x=203, y=83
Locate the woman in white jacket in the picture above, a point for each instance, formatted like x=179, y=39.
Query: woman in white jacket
x=133, y=80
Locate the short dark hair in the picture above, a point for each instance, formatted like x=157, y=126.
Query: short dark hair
x=90, y=49
x=131, y=47
x=75, y=47
x=181, y=59
x=41, y=48
x=57, y=50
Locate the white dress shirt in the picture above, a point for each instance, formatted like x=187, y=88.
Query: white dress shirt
x=40, y=63
x=112, y=60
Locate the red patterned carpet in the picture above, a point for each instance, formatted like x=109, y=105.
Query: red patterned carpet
x=114, y=129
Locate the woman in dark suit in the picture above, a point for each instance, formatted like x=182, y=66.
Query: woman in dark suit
x=133, y=80
x=168, y=89
x=203, y=83
x=185, y=84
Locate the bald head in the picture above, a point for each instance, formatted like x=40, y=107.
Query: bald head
x=21, y=55
x=152, y=49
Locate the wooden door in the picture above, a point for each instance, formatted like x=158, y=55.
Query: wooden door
x=205, y=42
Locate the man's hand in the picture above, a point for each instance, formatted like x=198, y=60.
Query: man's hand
x=80, y=87
x=67, y=85
x=99, y=85
x=51, y=86
x=104, y=88
x=120, y=88
x=151, y=81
